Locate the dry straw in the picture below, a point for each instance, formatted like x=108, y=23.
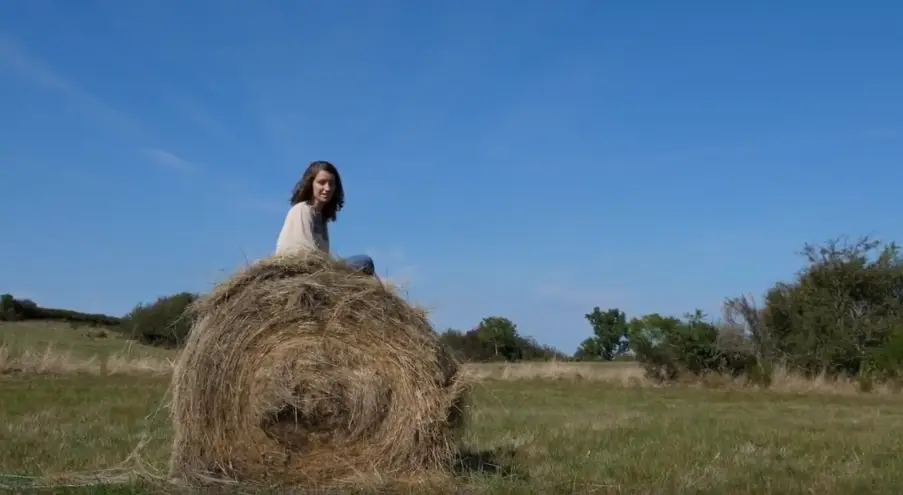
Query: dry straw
x=301, y=370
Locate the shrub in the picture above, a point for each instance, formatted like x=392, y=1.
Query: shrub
x=609, y=340
x=162, y=323
x=841, y=315
x=8, y=308
x=496, y=339
x=668, y=348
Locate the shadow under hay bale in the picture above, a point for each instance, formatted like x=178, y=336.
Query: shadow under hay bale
x=498, y=461
x=301, y=370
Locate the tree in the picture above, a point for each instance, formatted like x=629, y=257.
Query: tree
x=163, y=322
x=8, y=308
x=843, y=313
x=494, y=339
x=452, y=338
x=650, y=338
x=500, y=334
x=669, y=347
x=609, y=338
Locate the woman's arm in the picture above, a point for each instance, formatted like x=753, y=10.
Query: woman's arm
x=297, y=231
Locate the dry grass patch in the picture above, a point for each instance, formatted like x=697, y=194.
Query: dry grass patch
x=80, y=341
x=630, y=374
x=56, y=348
x=616, y=373
x=51, y=361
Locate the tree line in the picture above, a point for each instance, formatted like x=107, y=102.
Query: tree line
x=841, y=314
x=12, y=309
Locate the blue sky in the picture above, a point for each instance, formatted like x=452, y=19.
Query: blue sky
x=527, y=159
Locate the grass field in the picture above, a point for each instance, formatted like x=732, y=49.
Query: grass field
x=538, y=428
x=42, y=348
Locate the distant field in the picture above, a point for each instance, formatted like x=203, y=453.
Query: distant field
x=81, y=341
x=40, y=348
x=550, y=428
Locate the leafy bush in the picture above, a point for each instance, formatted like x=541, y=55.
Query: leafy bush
x=668, y=348
x=162, y=323
x=496, y=339
x=609, y=340
x=8, y=308
x=842, y=315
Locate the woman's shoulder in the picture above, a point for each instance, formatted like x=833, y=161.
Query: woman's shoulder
x=302, y=207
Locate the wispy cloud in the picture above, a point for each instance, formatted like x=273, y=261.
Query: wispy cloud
x=802, y=139
x=580, y=297
x=404, y=276
x=392, y=265
x=268, y=206
x=879, y=133
x=235, y=189
x=168, y=159
x=197, y=114
x=14, y=58
x=243, y=197
x=576, y=287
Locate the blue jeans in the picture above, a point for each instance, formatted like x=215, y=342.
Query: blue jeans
x=361, y=262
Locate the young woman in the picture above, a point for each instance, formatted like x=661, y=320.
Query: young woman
x=315, y=201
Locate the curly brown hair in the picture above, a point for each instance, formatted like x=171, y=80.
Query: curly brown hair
x=304, y=189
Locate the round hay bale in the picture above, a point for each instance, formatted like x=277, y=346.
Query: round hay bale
x=299, y=369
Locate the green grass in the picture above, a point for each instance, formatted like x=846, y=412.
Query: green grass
x=564, y=436
x=542, y=428
x=82, y=341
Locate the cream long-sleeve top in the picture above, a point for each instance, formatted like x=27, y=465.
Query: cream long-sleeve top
x=304, y=228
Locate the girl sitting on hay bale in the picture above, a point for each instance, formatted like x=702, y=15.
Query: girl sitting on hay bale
x=301, y=371
x=315, y=201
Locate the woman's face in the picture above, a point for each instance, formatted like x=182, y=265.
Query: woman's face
x=324, y=187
